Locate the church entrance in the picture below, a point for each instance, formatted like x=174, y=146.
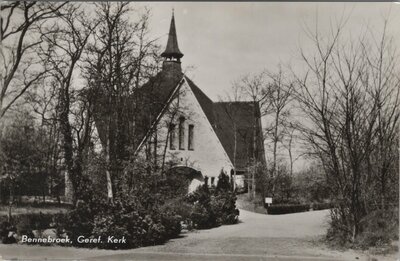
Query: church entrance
x=184, y=179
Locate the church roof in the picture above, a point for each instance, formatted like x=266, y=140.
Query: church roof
x=224, y=117
x=205, y=103
x=242, y=117
x=152, y=98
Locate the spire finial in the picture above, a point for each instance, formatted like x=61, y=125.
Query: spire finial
x=172, y=51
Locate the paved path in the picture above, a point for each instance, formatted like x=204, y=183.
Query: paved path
x=257, y=237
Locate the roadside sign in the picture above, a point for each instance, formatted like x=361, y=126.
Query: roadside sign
x=268, y=200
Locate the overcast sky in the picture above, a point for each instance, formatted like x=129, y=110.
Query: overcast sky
x=224, y=41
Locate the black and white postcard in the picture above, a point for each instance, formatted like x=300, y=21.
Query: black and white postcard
x=199, y=130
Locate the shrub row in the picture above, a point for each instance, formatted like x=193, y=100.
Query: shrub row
x=287, y=209
x=321, y=206
x=125, y=217
x=379, y=228
x=207, y=207
x=142, y=221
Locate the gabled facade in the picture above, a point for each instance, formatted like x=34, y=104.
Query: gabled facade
x=181, y=126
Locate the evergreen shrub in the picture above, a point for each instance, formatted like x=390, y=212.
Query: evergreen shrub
x=287, y=209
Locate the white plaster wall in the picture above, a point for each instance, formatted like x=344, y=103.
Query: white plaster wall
x=208, y=155
x=239, y=181
x=194, y=184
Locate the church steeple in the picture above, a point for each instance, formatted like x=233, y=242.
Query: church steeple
x=172, y=52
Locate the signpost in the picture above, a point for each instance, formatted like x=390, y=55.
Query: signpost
x=268, y=201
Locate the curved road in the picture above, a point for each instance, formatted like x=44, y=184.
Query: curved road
x=256, y=237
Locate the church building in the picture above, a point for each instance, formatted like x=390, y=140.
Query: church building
x=191, y=131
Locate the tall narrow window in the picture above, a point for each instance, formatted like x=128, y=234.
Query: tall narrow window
x=182, y=133
x=172, y=137
x=190, y=140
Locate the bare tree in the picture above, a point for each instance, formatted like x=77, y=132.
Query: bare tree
x=252, y=88
x=382, y=75
x=347, y=95
x=21, y=69
x=273, y=93
x=65, y=43
x=280, y=94
x=43, y=105
x=119, y=60
x=235, y=95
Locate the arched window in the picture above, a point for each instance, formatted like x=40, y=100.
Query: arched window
x=172, y=137
x=190, y=138
x=212, y=181
x=182, y=133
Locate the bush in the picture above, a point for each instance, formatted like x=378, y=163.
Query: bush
x=34, y=221
x=202, y=215
x=377, y=229
x=125, y=217
x=287, y=209
x=214, y=207
x=338, y=234
x=5, y=229
x=133, y=226
x=181, y=208
x=321, y=206
x=224, y=202
x=380, y=227
x=284, y=201
x=172, y=223
x=224, y=208
x=26, y=223
x=144, y=217
x=80, y=220
x=223, y=183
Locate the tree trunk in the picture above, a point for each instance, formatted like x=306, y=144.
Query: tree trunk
x=254, y=152
x=67, y=144
x=275, y=151
x=110, y=195
x=10, y=201
x=248, y=182
x=69, y=188
x=290, y=155
x=254, y=184
x=234, y=156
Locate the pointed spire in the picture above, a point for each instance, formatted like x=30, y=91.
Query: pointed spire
x=172, y=49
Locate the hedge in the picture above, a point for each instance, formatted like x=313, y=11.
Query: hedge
x=321, y=206
x=287, y=209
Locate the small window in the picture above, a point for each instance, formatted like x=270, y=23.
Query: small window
x=182, y=133
x=172, y=137
x=190, y=140
x=212, y=181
